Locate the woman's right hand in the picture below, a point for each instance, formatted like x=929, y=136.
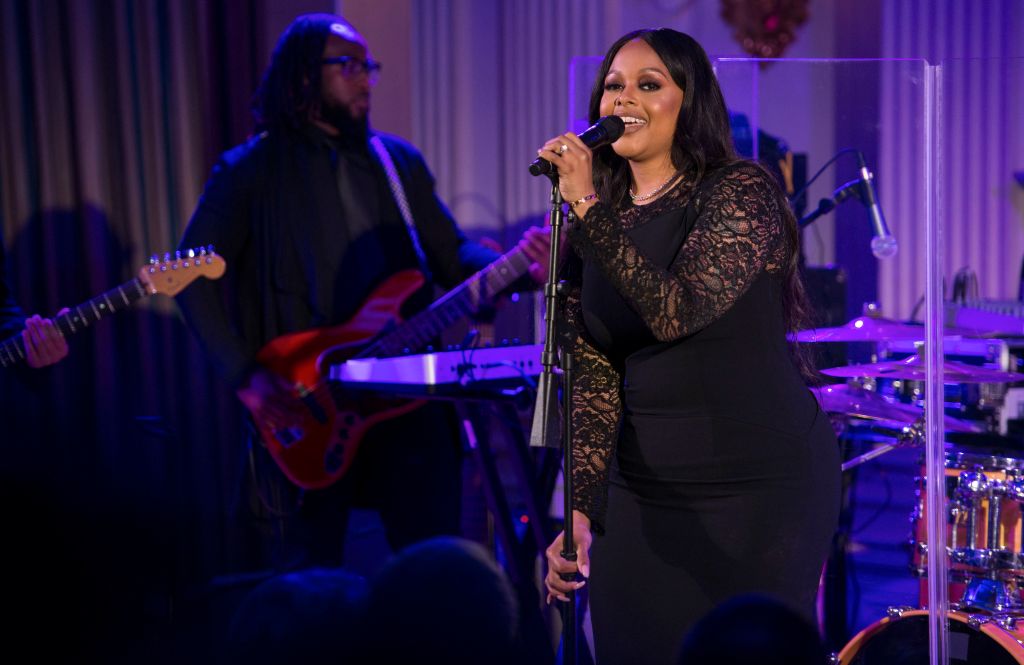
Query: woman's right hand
x=574, y=161
x=582, y=538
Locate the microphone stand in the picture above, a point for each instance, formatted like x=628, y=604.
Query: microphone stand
x=543, y=432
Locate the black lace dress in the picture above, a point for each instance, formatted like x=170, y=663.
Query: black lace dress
x=705, y=464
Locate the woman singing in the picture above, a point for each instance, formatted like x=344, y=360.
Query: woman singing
x=703, y=466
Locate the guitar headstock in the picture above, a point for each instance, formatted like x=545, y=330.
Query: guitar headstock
x=171, y=275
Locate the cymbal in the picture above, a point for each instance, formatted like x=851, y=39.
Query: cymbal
x=863, y=329
x=868, y=405
x=912, y=368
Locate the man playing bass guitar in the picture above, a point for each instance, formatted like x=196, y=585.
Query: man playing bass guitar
x=331, y=229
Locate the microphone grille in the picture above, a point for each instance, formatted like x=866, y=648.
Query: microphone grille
x=884, y=247
x=613, y=125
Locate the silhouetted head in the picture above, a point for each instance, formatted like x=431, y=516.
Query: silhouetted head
x=310, y=617
x=445, y=601
x=752, y=629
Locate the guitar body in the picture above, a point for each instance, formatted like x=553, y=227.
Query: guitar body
x=320, y=450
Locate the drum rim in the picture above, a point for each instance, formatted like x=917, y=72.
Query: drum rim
x=993, y=630
x=964, y=460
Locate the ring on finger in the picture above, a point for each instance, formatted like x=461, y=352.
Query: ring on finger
x=562, y=149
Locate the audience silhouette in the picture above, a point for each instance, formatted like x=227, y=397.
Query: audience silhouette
x=309, y=617
x=446, y=601
x=752, y=629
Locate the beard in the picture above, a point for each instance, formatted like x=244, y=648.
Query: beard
x=351, y=130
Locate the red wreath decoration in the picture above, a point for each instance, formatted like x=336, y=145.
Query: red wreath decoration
x=765, y=28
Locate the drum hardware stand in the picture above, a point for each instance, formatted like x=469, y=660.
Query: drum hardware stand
x=910, y=435
x=544, y=430
x=836, y=627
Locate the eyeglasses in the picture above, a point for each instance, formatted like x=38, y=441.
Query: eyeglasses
x=353, y=67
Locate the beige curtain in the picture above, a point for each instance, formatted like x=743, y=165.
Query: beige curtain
x=113, y=113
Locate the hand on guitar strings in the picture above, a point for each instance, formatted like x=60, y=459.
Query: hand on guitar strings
x=270, y=399
x=44, y=342
x=536, y=245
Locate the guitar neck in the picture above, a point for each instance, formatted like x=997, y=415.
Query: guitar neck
x=461, y=301
x=12, y=350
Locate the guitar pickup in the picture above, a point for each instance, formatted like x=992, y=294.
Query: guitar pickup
x=334, y=458
x=286, y=436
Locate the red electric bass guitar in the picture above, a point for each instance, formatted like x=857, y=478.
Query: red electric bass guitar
x=320, y=449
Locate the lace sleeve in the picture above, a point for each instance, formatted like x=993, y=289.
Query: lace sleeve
x=737, y=235
x=597, y=406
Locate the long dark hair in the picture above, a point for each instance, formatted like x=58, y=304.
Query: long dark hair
x=702, y=143
x=290, y=88
x=703, y=137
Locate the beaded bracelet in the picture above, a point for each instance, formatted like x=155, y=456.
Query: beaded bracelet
x=588, y=197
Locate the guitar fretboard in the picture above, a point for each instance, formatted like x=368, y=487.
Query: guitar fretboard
x=12, y=350
x=461, y=301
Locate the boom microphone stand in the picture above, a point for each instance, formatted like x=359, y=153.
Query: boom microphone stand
x=544, y=432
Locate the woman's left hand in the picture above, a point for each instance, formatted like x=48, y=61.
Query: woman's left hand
x=574, y=162
x=557, y=587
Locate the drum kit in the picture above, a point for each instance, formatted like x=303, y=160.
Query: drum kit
x=984, y=484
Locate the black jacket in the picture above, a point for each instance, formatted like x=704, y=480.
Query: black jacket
x=272, y=209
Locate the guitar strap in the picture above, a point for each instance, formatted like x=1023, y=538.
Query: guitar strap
x=403, y=203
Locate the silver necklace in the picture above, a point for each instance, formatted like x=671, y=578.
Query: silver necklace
x=659, y=190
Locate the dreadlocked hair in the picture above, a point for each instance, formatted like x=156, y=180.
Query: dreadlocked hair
x=290, y=88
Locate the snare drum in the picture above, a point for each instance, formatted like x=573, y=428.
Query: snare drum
x=984, y=488
x=902, y=638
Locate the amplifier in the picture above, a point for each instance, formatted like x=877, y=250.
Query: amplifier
x=987, y=317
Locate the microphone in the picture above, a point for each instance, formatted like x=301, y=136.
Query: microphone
x=883, y=245
x=606, y=130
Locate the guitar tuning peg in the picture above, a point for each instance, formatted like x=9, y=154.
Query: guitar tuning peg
x=167, y=257
x=152, y=259
x=177, y=255
x=191, y=253
x=209, y=248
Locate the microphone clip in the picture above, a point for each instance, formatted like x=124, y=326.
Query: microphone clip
x=827, y=205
